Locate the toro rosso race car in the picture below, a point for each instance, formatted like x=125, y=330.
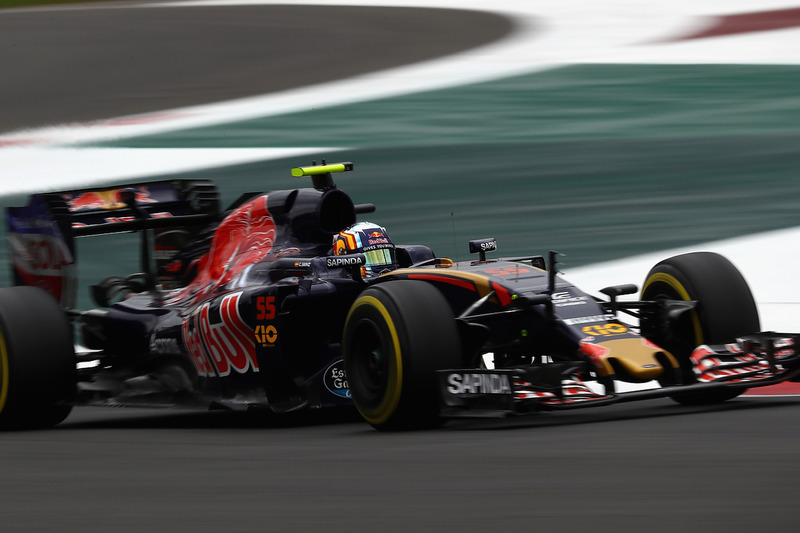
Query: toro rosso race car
x=284, y=301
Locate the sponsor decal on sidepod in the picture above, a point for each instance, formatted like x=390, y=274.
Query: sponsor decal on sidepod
x=335, y=379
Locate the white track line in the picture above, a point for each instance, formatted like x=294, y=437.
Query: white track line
x=548, y=34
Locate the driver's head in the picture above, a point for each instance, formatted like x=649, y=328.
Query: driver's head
x=372, y=241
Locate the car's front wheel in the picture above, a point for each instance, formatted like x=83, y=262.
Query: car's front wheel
x=396, y=336
x=725, y=310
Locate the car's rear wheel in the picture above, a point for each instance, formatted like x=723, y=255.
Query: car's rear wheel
x=37, y=360
x=725, y=310
x=396, y=336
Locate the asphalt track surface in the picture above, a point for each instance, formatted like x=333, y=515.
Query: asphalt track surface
x=74, y=64
x=651, y=466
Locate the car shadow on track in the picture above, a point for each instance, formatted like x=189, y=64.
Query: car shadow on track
x=136, y=418
x=660, y=408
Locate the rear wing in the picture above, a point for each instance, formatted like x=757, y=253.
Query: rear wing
x=41, y=234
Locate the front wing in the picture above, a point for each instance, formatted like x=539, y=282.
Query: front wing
x=753, y=361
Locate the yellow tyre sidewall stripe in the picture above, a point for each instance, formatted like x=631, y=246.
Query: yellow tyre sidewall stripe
x=394, y=387
x=671, y=281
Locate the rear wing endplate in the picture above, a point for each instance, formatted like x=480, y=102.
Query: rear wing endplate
x=41, y=234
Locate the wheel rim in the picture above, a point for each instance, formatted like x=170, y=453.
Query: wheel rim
x=371, y=363
x=375, y=370
x=664, y=286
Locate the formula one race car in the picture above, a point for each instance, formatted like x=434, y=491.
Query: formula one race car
x=284, y=301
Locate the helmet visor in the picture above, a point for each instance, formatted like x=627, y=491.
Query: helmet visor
x=380, y=259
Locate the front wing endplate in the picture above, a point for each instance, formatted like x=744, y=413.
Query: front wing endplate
x=752, y=361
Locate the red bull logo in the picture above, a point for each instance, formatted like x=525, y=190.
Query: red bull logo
x=108, y=199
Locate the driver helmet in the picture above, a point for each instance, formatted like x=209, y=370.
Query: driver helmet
x=372, y=241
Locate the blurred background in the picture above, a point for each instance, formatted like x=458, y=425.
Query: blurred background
x=615, y=132
x=541, y=125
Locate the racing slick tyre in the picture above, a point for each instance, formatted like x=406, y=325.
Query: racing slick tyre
x=725, y=310
x=38, y=370
x=397, y=334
